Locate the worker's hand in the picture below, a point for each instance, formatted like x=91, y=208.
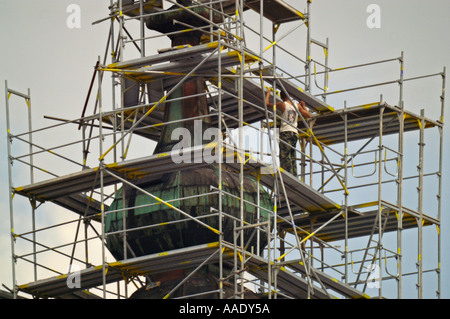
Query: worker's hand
x=303, y=104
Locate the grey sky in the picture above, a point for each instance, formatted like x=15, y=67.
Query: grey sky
x=40, y=52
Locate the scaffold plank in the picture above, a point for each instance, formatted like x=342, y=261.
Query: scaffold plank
x=66, y=185
x=172, y=55
x=329, y=281
x=81, y=204
x=360, y=223
x=93, y=277
x=290, y=279
x=86, y=180
x=181, y=67
x=134, y=9
x=296, y=91
x=362, y=122
x=287, y=281
x=277, y=11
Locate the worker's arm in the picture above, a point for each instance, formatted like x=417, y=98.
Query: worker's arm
x=303, y=110
x=280, y=105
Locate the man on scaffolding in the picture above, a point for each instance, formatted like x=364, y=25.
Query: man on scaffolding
x=288, y=129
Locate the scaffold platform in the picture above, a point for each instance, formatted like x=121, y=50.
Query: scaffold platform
x=290, y=277
x=360, y=223
x=363, y=122
x=277, y=11
x=155, y=166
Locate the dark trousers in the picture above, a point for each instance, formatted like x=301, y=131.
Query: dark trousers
x=287, y=152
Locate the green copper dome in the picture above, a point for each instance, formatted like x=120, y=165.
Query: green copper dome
x=168, y=234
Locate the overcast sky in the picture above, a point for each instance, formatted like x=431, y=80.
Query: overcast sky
x=40, y=52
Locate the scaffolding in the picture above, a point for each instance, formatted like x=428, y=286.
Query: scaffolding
x=353, y=190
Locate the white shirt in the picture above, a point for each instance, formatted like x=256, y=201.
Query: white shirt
x=290, y=115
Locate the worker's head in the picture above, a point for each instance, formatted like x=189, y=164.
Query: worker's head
x=284, y=96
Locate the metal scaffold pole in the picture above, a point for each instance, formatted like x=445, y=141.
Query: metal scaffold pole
x=10, y=193
x=308, y=48
x=102, y=186
x=220, y=165
x=346, y=178
x=420, y=220
x=401, y=120
x=380, y=206
x=439, y=195
x=27, y=98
